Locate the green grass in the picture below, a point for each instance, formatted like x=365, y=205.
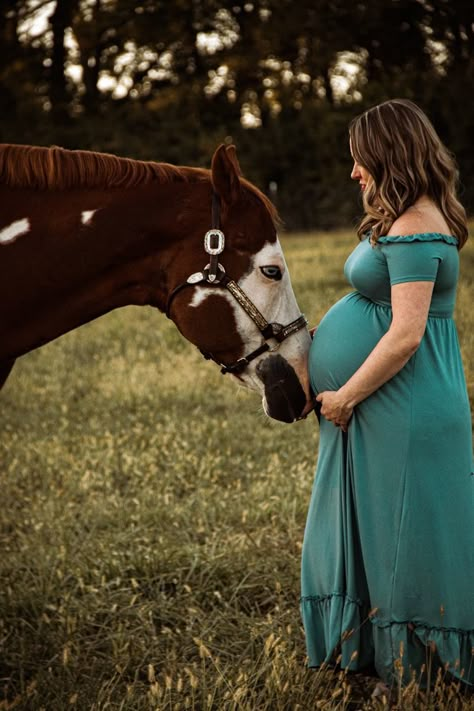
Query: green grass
x=152, y=520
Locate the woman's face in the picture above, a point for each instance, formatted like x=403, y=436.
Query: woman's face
x=359, y=172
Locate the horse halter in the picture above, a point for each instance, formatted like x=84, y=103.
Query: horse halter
x=214, y=275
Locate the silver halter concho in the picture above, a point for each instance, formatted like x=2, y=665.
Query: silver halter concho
x=214, y=275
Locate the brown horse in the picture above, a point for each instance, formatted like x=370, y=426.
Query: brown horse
x=82, y=233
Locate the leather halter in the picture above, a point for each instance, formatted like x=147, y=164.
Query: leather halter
x=214, y=275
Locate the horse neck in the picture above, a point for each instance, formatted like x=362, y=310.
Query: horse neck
x=88, y=252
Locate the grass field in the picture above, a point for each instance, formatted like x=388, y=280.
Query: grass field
x=152, y=520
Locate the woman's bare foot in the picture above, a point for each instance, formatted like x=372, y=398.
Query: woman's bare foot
x=381, y=692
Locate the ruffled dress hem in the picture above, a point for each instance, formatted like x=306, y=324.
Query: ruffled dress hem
x=339, y=633
x=346, y=631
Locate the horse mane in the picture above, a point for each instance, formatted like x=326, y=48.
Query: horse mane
x=57, y=168
x=54, y=168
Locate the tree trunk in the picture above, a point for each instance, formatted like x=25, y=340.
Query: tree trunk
x=9, y=53
x=328, y=85
x=88, y=36
x=61, y=19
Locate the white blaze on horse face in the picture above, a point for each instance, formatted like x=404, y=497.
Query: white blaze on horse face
x=16, y=229
x=275, y=299
x=86, y=216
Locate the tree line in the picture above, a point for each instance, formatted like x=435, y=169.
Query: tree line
x=169, y=81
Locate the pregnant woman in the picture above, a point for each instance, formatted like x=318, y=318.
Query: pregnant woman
x=388, y=555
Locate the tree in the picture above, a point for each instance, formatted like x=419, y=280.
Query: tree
x=168, y=80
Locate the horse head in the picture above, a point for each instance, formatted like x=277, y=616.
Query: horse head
x=137, y=232
x=236, y=303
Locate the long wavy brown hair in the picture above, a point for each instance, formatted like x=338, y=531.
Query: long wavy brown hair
x=397, y=144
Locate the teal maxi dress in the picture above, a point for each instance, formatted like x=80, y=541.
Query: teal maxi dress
x=388, y=554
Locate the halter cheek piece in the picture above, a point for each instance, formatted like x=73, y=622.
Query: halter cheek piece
x=214, y=275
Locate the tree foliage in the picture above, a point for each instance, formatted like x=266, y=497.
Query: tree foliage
x=169, y=80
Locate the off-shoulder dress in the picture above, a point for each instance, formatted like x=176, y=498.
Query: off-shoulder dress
x=388, y=554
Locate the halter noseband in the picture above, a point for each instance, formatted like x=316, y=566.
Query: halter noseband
x=214, y=275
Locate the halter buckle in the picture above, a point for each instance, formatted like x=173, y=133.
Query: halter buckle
x=210, y=242
x=213, y=273
x=236, y=367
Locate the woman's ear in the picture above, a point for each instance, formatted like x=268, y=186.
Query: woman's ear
x=225, y=172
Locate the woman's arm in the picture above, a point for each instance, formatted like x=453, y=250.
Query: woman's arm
x=410, y=307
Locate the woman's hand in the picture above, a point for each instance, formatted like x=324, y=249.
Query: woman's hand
x=334, y=408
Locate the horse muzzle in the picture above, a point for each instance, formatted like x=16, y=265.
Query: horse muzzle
x=285, y=399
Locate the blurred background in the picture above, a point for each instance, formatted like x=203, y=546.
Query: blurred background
x=169, y=80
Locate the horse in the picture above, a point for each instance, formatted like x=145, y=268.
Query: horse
x=83, y=232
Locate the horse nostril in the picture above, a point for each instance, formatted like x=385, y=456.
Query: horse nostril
x=284, y=394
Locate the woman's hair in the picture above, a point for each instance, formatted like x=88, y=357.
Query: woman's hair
x=397, y=144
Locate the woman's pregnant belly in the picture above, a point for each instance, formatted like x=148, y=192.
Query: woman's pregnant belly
x=346, y=335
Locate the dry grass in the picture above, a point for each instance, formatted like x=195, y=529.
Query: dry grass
x=151, y=533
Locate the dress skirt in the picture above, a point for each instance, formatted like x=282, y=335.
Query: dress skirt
x=388, y=554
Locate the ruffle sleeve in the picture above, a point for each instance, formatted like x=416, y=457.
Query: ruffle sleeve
x=418, y=237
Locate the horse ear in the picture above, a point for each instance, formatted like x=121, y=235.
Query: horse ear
x=225, y=172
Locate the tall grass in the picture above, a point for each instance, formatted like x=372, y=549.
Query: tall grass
x=151, y=523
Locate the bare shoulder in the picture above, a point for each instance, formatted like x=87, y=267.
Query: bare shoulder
x=422, y=217
x=408, y=224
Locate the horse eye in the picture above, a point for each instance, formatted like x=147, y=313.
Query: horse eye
x=272, y=272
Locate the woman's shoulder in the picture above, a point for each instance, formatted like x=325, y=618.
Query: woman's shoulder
x=421, y=218
x=408, y=231
x=422, y=222
x=408, y=224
